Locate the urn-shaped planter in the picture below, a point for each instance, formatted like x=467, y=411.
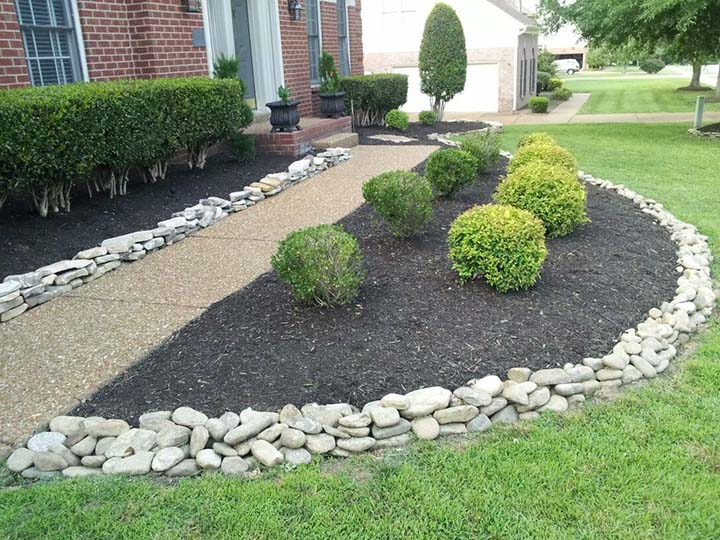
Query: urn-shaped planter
x=332, y=104
x=284, y=116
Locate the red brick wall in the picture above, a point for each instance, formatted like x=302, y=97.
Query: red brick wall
x=13, y=68
x=356, y=45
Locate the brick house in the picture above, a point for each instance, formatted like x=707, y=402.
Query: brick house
x=61, y=41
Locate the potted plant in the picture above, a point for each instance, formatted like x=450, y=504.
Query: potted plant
x=332, y=100
x=284, y=115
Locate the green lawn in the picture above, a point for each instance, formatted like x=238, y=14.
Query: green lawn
x=654, y=95
x=644, y=467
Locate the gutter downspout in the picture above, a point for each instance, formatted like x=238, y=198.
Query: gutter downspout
x=208, y=41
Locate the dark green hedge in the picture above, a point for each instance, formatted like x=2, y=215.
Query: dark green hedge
x=59, y=136
x=371, y=97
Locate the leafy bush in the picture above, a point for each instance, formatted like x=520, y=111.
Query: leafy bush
x=443, y=58
x=242, y=146
x=403, y=199
x=551, y=154
x=329, y=78
x=428, y=118
x=448, y=170
x=397, y=120
x=546, y=64
x=554, y=84
x=651, y=65
x=539, y=104
x=323, y=265
x=543, y=80
x=550, y=192
x=505, y=245
x=226, y=67
x=562, y=93
x=370, y=97
x=58, y=136
x=535, y=138
x=484, y=147
x=597, y=58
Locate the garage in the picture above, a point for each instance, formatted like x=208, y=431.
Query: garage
x=480, y=94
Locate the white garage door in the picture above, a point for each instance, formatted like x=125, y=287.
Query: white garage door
x=480, y=94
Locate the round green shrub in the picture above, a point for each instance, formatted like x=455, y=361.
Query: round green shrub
x=535, y=138
x=504, y=245
x=554, y=84
x=323, y=265
x=550, y=192
x=562, y=93
x=397, y=119
x=428, y=118
x=545, y=153
x=484, y=147
x=539, y=104
x=651, y=65
x=448, y=170
x=543, y=80
x=402, y=198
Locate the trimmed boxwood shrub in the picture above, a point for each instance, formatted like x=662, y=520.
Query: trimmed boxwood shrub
x=428, y=118
x=562, y=93
x=323, y=265
x=448, y=170
x=484, y=147
x=397, y=120
x=543, y=80
x=370, y=97
x=545, y=153
x=58, y=136
x=539, y=104
x=535, y=138
x=554, y=84
x=403, y=199
x=651, y=65
x=502, y=244
x=549, y=192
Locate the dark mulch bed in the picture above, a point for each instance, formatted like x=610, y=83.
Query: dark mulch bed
x=416, y=131
x=28, y=241
x=413, y=325
x=711, y=128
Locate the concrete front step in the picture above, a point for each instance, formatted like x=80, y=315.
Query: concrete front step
x=344, y=140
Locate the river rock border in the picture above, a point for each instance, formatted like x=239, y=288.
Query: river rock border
x=185, y=442
x=19, y=293
x=709, y=134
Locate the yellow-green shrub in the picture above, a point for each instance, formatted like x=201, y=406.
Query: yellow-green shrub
x=538, y=137
x=402, y=198
x=551, y=154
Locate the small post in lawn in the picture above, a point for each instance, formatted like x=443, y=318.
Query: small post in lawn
x=699, y=108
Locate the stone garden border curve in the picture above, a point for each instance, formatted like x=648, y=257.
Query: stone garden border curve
x=184, y=442
x=706, y=134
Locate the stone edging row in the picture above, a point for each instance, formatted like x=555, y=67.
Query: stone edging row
x=710, y=134
x=184, y=442
x=19, y=293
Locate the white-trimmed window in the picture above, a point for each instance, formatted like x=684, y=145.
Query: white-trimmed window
x=50, y=41
x=343, y=39
x=314, y=39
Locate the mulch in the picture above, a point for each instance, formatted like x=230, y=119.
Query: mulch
x=413, y=324
x=417, y=131
x=28, y=241
x=710, y=128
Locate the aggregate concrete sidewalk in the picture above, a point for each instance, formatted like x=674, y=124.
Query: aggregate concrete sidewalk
x=60, y=353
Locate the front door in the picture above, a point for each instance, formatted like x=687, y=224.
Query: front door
x=243, y=47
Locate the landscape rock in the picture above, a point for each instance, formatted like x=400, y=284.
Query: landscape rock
x=266, y=453
x=383, y=417
x=188, y=417
x=41, y=442
x=479, y=424
x=234, y=465
x=296, y=456
x=46, y=461
x=320, y=444
x=187, y=467
x=490, y=384
x=356, y=444
x=137, y=464
x=21, y=459
x=426, y=428
x=198, y=440
x=425, y=401
x=207, y=459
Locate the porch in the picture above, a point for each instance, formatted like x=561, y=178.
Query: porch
x=297, y=143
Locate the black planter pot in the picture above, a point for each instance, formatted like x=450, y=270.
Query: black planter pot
x=332, y=104
x=284, y=116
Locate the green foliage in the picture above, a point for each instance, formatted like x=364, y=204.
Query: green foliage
x=539, y=104
x=563, y=93
x=535, y=138
x=443, y=58
x=403, y=199
x=329, y=78
x=549, y=192
x=484, y=147
x=554, y=84
x=428, y=118
x=242, y=146
x=543, y=79
x=397, y=119
x=597, y=58
x=551, y=154
x=651, y=64
x=284, y=94
x=323, y=265
x=226, y=67
x=448, y=170
x=503, y=244
x=58, y=136
x=545, y=63
x=370, y=97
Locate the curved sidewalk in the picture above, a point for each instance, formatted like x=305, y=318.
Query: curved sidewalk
x=60, y=353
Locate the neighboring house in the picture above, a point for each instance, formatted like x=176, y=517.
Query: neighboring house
x=501, y=42
x=565, y=43
x=61, y=41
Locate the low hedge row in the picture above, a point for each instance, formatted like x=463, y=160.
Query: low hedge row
x=57, y=137
x=371, y=97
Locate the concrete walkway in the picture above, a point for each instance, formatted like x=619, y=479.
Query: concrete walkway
x=60, y=353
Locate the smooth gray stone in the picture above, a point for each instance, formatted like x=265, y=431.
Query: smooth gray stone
x=7, y=287
x=506, y=416
x=91, y=253
x=63, y=266
x=296, y=456
x=246, y=431
x=320, y=444
x=21, y=459
x=356, y=444
x=187, y=467
x=132, y=441
x=234, y=465
x=189, y=417
x=173, y=436
x=100, y=427
x=49, y=461
x=137, y=464
x=41, y=442
x=76, y=471
x=403, y=426
x=266, y=453
x=167, y=458
x=34, y=473
x=479, y=424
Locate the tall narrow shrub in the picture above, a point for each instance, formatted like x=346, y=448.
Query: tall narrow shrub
x=443, y=58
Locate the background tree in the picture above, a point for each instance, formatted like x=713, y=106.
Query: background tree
x=443, y=58
x=545, y=62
